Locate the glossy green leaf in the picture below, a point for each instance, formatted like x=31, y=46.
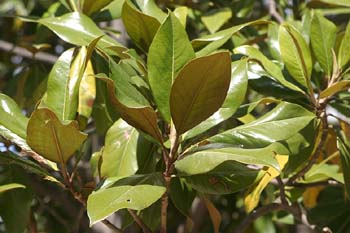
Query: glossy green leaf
x=143, y=118
x=271, y=68
x=199, y=90
x=208, y=44
x=214, y=20
x=149, y=7
x=168, y=53
x=140, y=27
x=323, y=34
x=345, y=163
x=205, y=160
x=6, y=187
x=15, y=204
x=181, y=13
x=119, y=153
x=228, y=177
x=78, y=29
x=92, y=6
x=135, y=192
x=62, y=95
x=272, y=42
x=343, y=53
x=181, y=195
x=281, y=123
x=235, y=96
x=28, y=165
x=337, y=87
x=11, y=117
x=323, y=171
x=296, y=54
x=51, y=138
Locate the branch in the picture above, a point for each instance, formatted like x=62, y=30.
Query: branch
x=317, y=153
x=139, y=222
x=40, y=56
x=273, y=12
x=112, y=227
x=256, y=214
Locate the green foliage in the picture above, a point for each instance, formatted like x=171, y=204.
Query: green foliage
x=203, y=104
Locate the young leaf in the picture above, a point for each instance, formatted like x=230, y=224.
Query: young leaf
x=296, y=54
x=140, y=27
x=92, y=6
x=343, y=53
x=199, y=90
x=6, y=187
x=51, y=138
x=323, y=33
x=119, y=153
x=168, y=53
x=337, y=87
x=181, y=13
x=150, y=7
x=251, y=200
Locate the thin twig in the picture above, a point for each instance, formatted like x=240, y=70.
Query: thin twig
x=40, y=56
x=273, y=12
x=111, y=226
x=256, y=214
x=316, y=155
x=139, y=221
x=282, y=191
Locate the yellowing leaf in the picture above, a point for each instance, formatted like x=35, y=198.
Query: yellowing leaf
x=252, y=197
x=87, y=91
x=6, y=187
x=339, y=86
x=214, y=214
x=310, y=196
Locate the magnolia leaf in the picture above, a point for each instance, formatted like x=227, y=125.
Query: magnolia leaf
x=214, y=214
x=140, y=27
x=143, y=118
x=150, y=7
x=235, y=96
x=78, y=29
x=172, y=47
x=310, y=196
x=337, y=87
x=51, y=138
x=11, y=118
x=87, y=92
x=207, y=158
x=182, y=195
x=214, y=20
x=208, y=44
x=271, y=68
x=251, y=200
x=119, y=153
x=226, y=178
x=343, y=53
x=199, y=90
x=135, y=192
x=6, y=187
x=181, y=13
x=281, y=123
x=323, y=34
x=62, y=95
x=344, y=150
x=92, y=6
x=296, y=54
